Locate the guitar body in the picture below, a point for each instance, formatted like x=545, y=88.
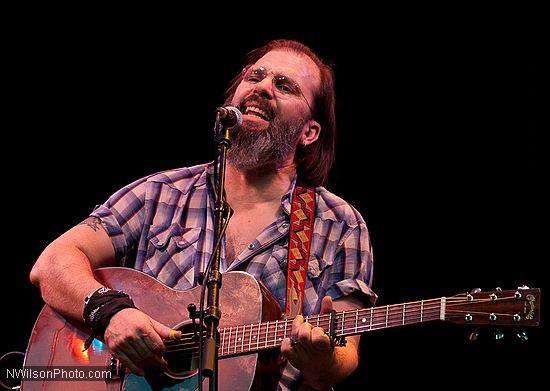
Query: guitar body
x=57, y=342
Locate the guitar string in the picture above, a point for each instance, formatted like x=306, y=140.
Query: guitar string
x=237, y=345
x=191, y=351
x=322, y=318
x=327, y=316
x=265, y=341
x=378, y=313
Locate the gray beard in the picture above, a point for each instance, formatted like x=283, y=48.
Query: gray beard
x=268, y=148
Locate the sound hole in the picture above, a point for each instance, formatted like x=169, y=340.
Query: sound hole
x=182, y=355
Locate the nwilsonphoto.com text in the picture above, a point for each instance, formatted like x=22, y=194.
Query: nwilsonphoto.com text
x=59, y=373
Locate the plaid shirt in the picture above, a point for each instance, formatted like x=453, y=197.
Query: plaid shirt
x=163, y=225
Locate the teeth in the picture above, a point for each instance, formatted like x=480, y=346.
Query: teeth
x=262, y=114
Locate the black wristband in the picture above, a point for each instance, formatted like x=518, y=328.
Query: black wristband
x=100, y=307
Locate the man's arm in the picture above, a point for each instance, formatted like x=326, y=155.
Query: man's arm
x=311, y=351
x=63, y=272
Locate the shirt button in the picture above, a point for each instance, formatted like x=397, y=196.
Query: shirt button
x=285, y=225
x=251, y=246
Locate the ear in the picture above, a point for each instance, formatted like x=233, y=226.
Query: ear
x=310, y=133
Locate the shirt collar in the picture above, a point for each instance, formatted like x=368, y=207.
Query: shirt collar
x=286, y=199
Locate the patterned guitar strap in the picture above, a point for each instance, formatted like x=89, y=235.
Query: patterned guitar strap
x=302, y=217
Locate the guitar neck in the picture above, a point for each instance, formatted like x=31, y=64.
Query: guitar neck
x=266, y=335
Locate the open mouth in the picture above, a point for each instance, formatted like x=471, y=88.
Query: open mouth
x=257, y=112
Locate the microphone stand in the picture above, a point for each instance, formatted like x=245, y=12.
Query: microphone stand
x=214, y=277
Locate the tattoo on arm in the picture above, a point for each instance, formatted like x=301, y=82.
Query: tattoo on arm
x=92, y=222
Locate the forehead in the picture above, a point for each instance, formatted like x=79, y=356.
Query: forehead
x=299, y=68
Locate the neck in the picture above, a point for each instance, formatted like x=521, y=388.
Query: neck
x=258, y=185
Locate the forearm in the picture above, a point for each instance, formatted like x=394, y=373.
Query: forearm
x=63, y=271
x=64, y=276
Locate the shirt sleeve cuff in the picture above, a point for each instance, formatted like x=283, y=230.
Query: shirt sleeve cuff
x=353, y=286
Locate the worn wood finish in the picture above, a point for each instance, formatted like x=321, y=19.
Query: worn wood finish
x=57, y=342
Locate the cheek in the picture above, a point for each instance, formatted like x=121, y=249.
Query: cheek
x=240, y=94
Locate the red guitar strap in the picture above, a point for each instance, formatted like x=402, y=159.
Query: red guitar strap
x=302, y=217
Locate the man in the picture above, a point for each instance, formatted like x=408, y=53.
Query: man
x=162, y=224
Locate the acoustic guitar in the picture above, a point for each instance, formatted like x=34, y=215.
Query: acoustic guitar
x=250, y=323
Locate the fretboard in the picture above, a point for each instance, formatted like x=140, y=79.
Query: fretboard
x=265, y=335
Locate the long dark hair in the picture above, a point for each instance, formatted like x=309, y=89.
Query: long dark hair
x=314, y=161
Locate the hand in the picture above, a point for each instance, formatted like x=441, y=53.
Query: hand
x=136, y=340
x=309, y=348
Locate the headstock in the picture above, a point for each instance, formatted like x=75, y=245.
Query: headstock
x=516, y=307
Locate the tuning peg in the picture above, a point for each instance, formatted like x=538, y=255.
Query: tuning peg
x=522, y=336
x=498, y=335
x=474, y=335
x=498, y=288
x=475, y=290
x=523, y=287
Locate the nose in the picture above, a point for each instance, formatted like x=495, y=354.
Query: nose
x=264, y=88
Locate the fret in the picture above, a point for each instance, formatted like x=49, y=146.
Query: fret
x=266, y=334
x=236, y=339
x=414, y=313
x=343, y=321
x=318, y=320
x=258, y=339
x=421, y=310
x=356, y=319
x=242, y=340
x=229, y=340
x=223, y=340
x=387, y=310
x=404, y=304
x=250, y=339
x=286, y=321
x=371, y=310
x=275, y=336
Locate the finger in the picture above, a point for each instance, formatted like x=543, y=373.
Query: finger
x=155, y=350
x=326, y=305
x=304, y=334
x=296, y=323
x=153, y=339
x=149, y=346
x=286, y=347
x=128, y=357
x=319, y=340
x=166, y=332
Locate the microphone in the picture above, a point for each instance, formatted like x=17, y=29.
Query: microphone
x=230, y=116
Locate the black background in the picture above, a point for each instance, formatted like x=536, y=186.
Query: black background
x=437, y=148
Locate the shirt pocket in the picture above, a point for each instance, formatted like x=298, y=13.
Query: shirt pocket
x=173, y=243
x=182, y=238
